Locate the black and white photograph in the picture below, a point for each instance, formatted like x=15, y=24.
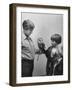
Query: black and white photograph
x=42, y=44
x=42, y=47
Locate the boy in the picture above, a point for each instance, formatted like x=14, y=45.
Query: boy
x=54, y=56
x=27, y=49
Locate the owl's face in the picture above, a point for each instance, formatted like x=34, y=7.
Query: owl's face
x=40, y=40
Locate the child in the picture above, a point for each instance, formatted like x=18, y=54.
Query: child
x=54, y=56
x=28, y=50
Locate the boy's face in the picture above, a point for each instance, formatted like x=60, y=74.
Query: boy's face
x=53, y=43
x=28, y=32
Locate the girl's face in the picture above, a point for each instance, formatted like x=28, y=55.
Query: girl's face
x=53, y=43
x=28, y=32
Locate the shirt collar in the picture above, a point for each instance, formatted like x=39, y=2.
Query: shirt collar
x=27, y=38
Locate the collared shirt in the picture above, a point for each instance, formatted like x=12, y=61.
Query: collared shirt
x=28, y=49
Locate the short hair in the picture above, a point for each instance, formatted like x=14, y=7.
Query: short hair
x=56, y=38
x=28, y=24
